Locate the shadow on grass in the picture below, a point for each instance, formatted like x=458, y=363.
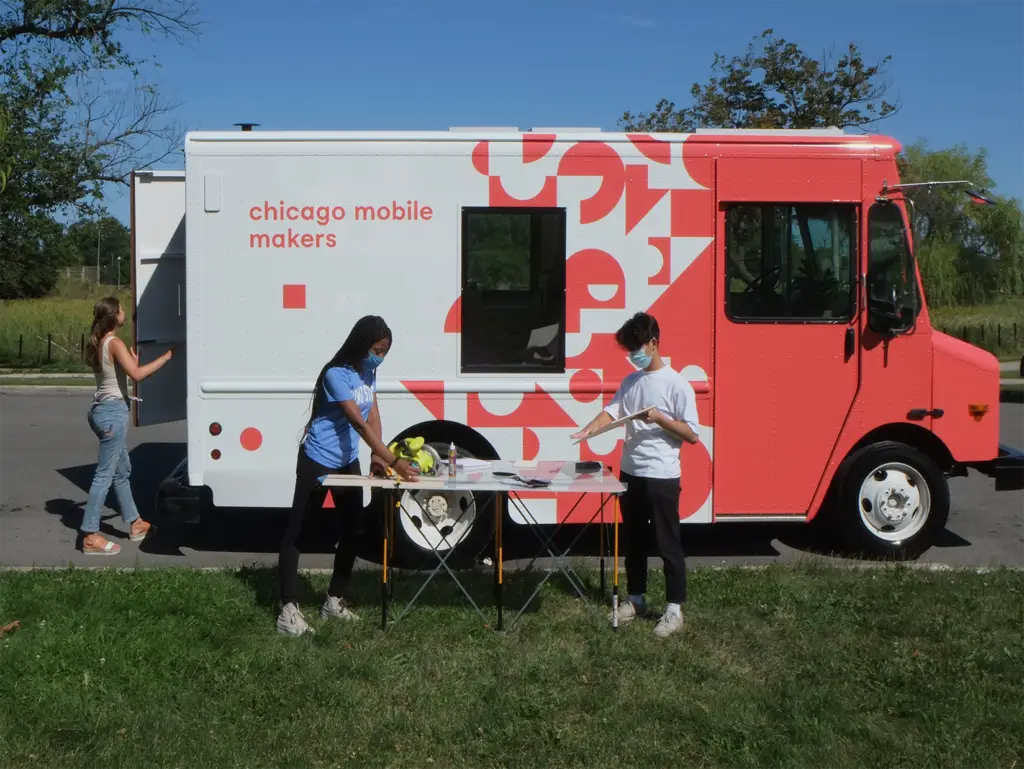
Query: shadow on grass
x=365, y=590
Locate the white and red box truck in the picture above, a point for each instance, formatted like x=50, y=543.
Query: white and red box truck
x=779, y=265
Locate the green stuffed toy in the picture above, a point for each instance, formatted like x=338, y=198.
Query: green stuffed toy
x=417, y=453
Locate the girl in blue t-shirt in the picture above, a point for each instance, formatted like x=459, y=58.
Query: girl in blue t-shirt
x=344, y=411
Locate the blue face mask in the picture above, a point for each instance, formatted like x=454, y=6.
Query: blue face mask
x=371, y=361
x=640, y=359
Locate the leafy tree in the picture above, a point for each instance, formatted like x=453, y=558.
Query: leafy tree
x=776, y=85
x=968, y=254
x=5, y=169
x=70, y=129
x=105, y=242
x=45, y=177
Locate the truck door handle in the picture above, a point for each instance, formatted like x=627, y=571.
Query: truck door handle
x=849, y=342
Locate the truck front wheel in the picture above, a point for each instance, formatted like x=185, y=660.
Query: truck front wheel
x=893, y=501
x=439, y=523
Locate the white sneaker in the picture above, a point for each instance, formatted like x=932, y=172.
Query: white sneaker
x=335, y=608
x=628, y=611
x=291, y=621
x=669, y=624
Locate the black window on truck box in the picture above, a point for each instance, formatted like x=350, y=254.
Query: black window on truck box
x=513, y=290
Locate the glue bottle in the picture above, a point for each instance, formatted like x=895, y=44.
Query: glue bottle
x=452, y=456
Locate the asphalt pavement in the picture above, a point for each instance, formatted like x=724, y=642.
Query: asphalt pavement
x=47, y=455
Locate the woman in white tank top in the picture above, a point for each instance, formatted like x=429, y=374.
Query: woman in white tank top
x=112, y=362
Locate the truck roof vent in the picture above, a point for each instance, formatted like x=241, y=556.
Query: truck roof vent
x=246, y=126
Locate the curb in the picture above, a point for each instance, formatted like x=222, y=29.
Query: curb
x=818, y=563
x=16, y=375
x=15, y=388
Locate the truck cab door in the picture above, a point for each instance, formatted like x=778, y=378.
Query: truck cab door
x=158, y=292
x=787, y=340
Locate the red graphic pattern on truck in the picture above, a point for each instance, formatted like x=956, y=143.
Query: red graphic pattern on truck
x=629, y=206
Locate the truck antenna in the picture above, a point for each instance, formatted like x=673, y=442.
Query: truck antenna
x=246, y=126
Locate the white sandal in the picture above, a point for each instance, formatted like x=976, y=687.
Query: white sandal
x=107, y=548
x=141, y=536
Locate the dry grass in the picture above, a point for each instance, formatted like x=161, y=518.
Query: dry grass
x=48, y=334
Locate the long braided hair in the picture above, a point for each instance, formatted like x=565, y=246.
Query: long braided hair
x=366, y=332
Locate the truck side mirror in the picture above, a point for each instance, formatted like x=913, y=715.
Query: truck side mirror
x=893, y=304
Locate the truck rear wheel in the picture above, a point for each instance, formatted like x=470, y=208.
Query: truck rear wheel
x=438, y=522
x=892, y=502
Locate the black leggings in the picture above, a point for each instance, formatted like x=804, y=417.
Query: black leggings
x=349, y=515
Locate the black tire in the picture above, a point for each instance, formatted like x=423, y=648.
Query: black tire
x=411, y=549
x=895, y=470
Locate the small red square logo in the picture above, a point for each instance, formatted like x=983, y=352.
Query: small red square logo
x=294, y=297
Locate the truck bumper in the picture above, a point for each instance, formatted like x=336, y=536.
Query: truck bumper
x=176, y=501
x=1007, y=469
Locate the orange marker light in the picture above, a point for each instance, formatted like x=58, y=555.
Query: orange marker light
x=977, y=410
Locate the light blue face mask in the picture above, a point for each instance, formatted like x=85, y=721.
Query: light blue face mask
x=640, y=359
x=371, y=361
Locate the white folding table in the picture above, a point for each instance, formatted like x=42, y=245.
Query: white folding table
x=503, y=478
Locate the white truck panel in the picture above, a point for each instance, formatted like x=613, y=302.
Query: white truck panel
x=271, y=296
x=158, y=272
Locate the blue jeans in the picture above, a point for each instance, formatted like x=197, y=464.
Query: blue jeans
x=109, y=420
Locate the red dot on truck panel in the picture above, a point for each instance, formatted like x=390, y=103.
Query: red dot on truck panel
x=585, y=385
x=251, y=439
x=294, y=296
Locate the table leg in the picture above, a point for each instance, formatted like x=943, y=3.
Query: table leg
x=384, y=565
x=393, y=513
x=601, y=545
x=615, y=568
x=500, y=564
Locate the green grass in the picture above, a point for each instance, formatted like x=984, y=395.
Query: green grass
x=998, y=328
x=788, y=667
x=27, y=327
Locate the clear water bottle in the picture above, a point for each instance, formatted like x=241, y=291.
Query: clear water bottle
x=452, y=457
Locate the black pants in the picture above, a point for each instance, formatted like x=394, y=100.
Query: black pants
x=349, y=515
x=647, y=502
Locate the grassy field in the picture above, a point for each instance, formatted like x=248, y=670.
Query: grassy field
x=998, y=328
x=57, y=324
x=785, y=667
x=31, y=327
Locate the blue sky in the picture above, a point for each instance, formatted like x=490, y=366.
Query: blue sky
x=958, y=67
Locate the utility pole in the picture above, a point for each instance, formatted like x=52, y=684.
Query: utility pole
x=97, y=252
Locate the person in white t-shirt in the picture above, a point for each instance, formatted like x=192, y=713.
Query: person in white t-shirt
x=650, y=467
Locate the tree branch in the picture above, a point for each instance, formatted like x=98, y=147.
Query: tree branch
x=86, y=20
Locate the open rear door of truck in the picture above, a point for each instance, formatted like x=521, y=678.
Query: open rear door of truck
x=158, y=292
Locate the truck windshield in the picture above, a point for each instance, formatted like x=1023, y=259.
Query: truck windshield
x=893, y=300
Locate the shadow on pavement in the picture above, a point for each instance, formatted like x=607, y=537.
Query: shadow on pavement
x=259, y=530
x=1015, y=395
x=151, y=463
